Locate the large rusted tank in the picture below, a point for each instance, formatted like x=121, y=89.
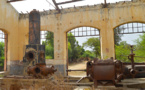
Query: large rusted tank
x=40, y=70
x=101, y=70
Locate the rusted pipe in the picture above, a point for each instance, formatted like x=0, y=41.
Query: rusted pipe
x=131, y=56
x=34, y=27
x=40, y=70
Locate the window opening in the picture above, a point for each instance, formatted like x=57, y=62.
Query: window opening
x=47, y=39
x=83, y=44
x=130, y=34
x=3, y=50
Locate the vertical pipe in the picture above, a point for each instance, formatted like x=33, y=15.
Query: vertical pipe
x=105, y=2
x=34, y=27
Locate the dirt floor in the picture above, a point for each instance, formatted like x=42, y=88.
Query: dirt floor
x=81, y=65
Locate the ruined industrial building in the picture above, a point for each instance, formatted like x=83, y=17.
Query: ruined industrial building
x=26, y=66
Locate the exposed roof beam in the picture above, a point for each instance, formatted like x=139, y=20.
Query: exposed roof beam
x=56, y=4
x=68, y=2
x=13, y=1
x=57, y=8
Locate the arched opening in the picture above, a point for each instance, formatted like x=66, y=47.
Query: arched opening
x=130, y=34
x=3, y=50
x=47, y=39
x=83, y=44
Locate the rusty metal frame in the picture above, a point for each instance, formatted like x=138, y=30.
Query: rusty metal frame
x=130, y=28
x=65, y=2
x=4, y=36
x=84, y=32
x=68, y=2
x=56, y=5
x=9, y=1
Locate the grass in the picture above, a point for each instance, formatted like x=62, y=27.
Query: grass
x=1, y=75
x=52, y=82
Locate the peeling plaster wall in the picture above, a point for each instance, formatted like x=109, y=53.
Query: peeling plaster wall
x=9, y=24
x=104, y=19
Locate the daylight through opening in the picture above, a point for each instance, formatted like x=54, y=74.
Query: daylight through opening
x=83, y=44
x=47, y=39
x=3, y=50
x=130, y=34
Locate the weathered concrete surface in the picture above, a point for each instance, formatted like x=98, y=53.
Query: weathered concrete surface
x=9, y=19
x=104, y=19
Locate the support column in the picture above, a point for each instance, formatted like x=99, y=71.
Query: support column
x=59, y=49
x=107, y=41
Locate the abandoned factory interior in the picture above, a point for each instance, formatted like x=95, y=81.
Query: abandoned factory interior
x=72, y=44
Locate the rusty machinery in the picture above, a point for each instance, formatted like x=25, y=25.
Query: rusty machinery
x=34, y=58
x=111, y=71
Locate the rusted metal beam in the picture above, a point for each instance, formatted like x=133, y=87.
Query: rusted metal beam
x=127, y=63
x=9, y=1
x=56, y=5
x=80, y=84
x=68, y=2
x=105, y=4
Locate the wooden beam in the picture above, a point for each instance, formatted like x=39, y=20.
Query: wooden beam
x=68, y=2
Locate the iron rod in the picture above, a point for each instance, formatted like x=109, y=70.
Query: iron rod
x=127, y=63
x=68, y=2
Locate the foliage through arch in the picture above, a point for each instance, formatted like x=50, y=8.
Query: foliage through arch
x=130, y=34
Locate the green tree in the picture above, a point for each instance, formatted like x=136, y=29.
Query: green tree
x=88, y=54
x=75, y=51
x=94, y=44
x=140, y=48
x=117, y=35
x=49, y=45
x=2, y=54
x=122, y=51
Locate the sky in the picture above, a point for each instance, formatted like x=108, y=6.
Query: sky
x=28, y=5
